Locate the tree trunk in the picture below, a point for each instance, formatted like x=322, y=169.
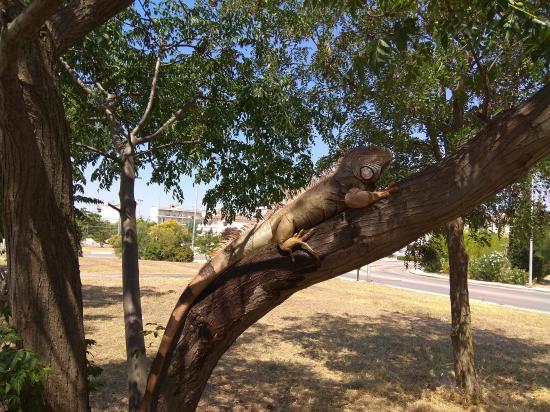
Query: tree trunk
x=502, y=153
x=133, y=322
x=461, y=327
x=37, y=210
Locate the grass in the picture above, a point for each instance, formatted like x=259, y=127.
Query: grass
x=338, y=345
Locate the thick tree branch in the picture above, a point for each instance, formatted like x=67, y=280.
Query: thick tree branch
x=28, y=21
x=505, y=150
x=74, y=21
x=486, y=84
x=152, y=94
x=173, y=119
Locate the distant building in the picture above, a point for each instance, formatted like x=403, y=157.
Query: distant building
x=108, y=214
x=172, y=212
x=185, y=216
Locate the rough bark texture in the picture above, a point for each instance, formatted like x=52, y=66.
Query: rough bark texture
x=133, y=322
x=37, y=209
x=505, y=150
x=44, y=279
x=461, y=321
x=461, y=329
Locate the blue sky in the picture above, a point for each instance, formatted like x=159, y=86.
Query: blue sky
x=149, y=195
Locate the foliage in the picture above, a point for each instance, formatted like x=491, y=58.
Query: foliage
x=168, y=241
x=207, y=242
x=531, y=220
x=142, y=227
x=495, y=267
x=21, y=372
x=227, y=72
x=165, y=241
x=92, y=369
x=91, y=225
x=422, y=78
x=433, y=256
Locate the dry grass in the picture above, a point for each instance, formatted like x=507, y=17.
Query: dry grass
x=112, y=265
x=340, y=345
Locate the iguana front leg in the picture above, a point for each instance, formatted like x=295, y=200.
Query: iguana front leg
x=357, y=198
x=298, y=239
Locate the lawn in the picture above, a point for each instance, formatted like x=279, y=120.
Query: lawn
x=338, y=345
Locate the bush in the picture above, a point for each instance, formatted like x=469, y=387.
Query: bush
x=517, y=276
x=491, y=267
x=495, y=267
x=21, y=372
x=183, y=254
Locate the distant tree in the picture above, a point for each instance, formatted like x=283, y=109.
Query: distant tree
x=206, y=242
x=168, y=241
x=91, y=225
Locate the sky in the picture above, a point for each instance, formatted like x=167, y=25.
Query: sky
x=150, y=195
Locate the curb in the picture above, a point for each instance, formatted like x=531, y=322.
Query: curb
x=420, y=272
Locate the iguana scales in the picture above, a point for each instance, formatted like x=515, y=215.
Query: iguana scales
x=352, y=185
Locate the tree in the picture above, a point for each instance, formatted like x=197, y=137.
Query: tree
x=207, y=242
x=501, y=153
x=93, y=226
x=421, y=78
x=37, y=210
x=222, y=102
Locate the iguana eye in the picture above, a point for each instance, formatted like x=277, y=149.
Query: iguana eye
x=366, y=173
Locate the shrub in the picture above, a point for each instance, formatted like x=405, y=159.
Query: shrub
x=495, y=267
x=116, y=243
x=517, y=276
x=491, y=267
x=183, y=254
x=21, y=372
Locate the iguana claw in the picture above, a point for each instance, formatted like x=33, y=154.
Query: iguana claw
x=298, y=240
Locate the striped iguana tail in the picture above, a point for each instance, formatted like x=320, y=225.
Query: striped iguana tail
x=257, y=236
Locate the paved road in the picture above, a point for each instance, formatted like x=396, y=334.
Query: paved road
x=392, y=273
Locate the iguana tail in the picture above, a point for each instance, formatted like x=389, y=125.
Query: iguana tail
x=254, y=238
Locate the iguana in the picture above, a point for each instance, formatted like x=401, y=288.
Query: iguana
x=352, y=185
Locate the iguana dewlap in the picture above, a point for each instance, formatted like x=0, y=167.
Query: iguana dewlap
x=350, y=186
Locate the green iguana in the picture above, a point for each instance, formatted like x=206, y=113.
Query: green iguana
x=352, y=185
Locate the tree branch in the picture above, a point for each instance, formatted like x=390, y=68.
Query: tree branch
x=162, y=146
x=79, y=17
x=152, y=93
x=173, y=119
x=106, y=104
x=486, y=85
x=76, y=79
x=28, y=21
x=99, y=152
x=512, y=143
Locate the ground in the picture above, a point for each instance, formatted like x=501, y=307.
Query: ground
x=338, y=345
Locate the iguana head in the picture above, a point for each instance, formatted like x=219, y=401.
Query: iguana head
x=365, y=163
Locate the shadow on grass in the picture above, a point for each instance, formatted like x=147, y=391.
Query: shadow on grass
x=358, y=363
x=104, y=296
x=393, y=357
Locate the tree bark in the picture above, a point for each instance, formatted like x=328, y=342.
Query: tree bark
x=461, y=321
x=37, y=208
x=133, y=321
x=511, y=143
x=461, y=329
